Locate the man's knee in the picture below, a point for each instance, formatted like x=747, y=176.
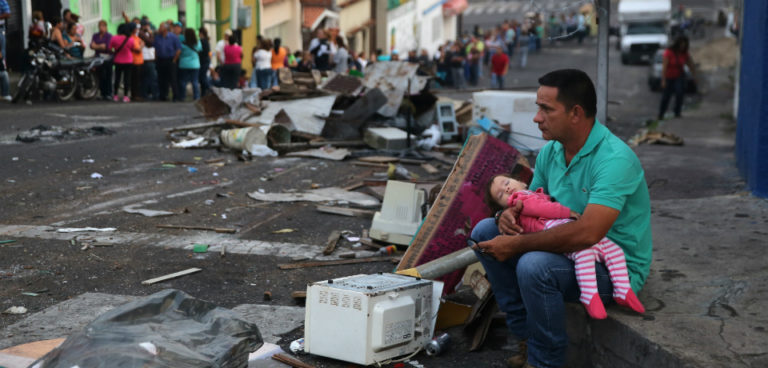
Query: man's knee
x=533, y=268
x=486, y=229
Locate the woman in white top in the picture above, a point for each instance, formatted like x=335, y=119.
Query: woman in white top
x=262, y=66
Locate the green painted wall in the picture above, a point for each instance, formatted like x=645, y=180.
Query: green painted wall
x=150, y=8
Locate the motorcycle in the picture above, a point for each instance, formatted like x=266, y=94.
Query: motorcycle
x=51, y=73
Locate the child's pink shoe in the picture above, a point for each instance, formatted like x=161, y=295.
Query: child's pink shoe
x=631, y=302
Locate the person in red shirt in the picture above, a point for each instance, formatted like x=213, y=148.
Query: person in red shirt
x=673, y=79
x=499, y=67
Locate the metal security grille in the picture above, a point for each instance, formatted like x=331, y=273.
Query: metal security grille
x=131, y=7
x=167, y=3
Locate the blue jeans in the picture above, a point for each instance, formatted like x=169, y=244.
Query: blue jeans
x=188, y=76
x=497, y=81
x=675, y=86
x=149, y=88
x=532, y=290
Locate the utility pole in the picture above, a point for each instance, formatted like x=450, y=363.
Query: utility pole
x=603, y=12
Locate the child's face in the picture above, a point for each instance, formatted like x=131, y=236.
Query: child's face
x=502, y=187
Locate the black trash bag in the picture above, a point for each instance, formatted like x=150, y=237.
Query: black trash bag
x=165, y=329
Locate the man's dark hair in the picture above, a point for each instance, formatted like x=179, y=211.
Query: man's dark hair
x=573, y=88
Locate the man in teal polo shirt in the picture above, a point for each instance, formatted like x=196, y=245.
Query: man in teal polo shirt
x=588, y=169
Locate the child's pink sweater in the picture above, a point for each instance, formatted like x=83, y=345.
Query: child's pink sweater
x=537, y=209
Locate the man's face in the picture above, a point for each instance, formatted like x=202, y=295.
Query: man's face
x=552, y=116
x=102, y=28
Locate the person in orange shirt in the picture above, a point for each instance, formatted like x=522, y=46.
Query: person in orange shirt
x=279, y=54
x=138, y=63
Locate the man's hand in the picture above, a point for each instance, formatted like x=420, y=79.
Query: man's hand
x=500, y=248
x=508, y=220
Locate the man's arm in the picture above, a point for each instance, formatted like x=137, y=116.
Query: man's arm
x=176, y=56
x=571, y=237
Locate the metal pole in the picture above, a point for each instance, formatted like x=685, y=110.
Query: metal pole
x=233, y=14
x=447, y=264
x=603, y=13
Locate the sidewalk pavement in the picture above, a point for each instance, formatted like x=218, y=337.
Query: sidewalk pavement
x=708, y=287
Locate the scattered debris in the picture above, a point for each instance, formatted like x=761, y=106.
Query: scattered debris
x=327, y=152
x=387, y=138
x=84, y=229
x=332, y=240
x=345, y=211
x=146, y=212
x=297, y=346
x=27, y=293
x=266, y=351
x=347, y=255
x=171, y=276
x=224, y=230
x=652, y=137
x=96, y=176
x=267, y=296
x=46, y=133
x=7, y=241
x=200, y=248
x=292, y=266
x=318, y=195
x=291, y=361
x=15, y=310
x=283, y=231
x=429, y=168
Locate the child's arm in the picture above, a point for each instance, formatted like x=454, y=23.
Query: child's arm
x=539, y=205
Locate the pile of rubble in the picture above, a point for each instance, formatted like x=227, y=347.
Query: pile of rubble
x=323, y=114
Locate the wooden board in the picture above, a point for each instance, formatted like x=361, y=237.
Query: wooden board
x=33, y=350
x=460, y=206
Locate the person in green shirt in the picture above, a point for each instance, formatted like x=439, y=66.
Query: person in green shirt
x=591, y=171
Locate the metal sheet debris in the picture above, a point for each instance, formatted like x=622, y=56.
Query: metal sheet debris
x=327, y=152
x=307, y=114
x=84, y=229
x=392, y=78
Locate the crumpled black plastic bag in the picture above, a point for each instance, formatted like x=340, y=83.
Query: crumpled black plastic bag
x=166, y=329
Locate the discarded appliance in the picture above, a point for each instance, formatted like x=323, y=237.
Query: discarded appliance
x=446, y=119
x=369, y=319
x=514, y=110
x=386, y=138
x=400, y=214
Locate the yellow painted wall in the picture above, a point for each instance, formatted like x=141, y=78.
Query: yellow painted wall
x=248, y=34
x=288, y=11
x=353, y=16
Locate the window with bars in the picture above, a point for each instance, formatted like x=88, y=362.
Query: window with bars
x=90, y=15
x=131, y=7
x=167, y=3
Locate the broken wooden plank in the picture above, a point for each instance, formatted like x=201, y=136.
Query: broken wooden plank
x=171, y=276
x=299, y=295
x=344, y=211
x=379, y=159
x=429, y=168
x=354, y=186
x=225, y=230
x=371, y=164
x=332, y=240
x=293, y=266
x=295, y=363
